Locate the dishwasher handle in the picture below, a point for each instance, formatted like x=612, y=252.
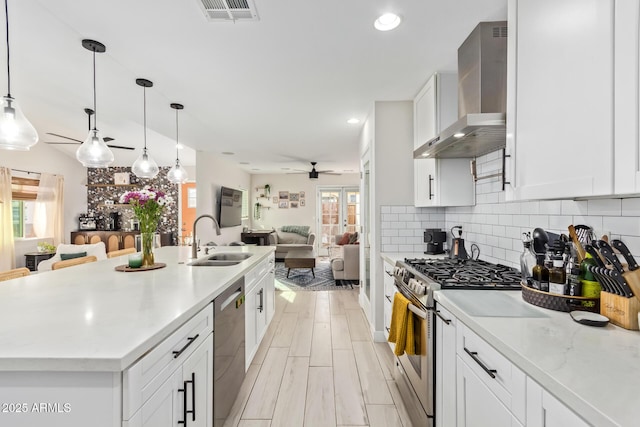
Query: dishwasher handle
x=230, y=300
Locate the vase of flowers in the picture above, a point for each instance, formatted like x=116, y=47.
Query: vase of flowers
x=147, y=205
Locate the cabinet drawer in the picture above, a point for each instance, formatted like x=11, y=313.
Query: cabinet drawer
x=505, y=380
x=252, y=277
x=144, y=377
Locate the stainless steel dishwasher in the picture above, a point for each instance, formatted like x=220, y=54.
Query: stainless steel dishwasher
x=228, y=354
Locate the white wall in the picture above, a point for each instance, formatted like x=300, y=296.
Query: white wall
x=212, y=172
x=275, y=217
x=43, y=158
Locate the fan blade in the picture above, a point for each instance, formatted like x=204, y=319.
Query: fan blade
x=327, y=171
x=108, y=139
x=122, y=147
x=63, y=143
x=65, y=137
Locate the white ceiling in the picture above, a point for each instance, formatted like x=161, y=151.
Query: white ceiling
x=277, y=92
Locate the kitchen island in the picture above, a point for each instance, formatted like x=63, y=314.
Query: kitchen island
x=70, y=334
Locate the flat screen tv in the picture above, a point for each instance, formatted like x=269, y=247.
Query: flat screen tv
x=230, y=207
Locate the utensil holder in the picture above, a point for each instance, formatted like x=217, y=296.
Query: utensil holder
x=621, y=311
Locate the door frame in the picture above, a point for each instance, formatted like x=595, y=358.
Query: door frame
x=342, y=212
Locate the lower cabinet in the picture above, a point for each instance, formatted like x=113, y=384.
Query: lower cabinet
x=185, y=398
x=389, y=293
x=259, y=306
x=476, y=386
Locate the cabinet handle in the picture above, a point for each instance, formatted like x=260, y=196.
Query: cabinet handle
x=176, y=354
x=445, y=320
x=193, y=396
x=184, y=403
x=473, y=354
x=388, y=330
x=430, y=190
x=504, y=168
x=390, y=274
x=388, y=297
x=261, y=293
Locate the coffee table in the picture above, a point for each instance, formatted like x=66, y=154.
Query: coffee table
x=302, y=258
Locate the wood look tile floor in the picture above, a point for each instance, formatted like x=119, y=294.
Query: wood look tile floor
x=318, y=366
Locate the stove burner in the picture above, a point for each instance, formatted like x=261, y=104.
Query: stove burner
x=467, y=274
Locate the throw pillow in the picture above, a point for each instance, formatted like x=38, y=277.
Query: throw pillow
x=302, y=230
x=65, y=257
x=354, y=238
x=345, y=239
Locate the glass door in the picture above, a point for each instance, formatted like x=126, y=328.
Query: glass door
x=339, y=212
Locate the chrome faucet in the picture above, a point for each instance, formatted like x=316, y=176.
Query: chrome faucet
x=194, y=245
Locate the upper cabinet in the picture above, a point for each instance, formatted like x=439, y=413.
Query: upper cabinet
x=439, y=182
x=627, y=93
x=560, y=107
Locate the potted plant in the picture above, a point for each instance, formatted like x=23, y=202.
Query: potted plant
x=256, y=212
x=267, y=190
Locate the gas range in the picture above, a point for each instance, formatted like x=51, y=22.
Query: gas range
x=420, y=277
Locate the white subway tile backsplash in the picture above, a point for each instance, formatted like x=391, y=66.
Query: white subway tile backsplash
x=559, y=222
x=390, y=217
x=385, y=209
x=389, y=233
x=629, y=226
x=550, y=207
x=605, y=207
x=405, y=217
x=506, y=220
x=630, y=207
x=406, y=232
x=498, y=230
x=399, y=224
x=575, y=207
x=539, y=221
x=398, y=209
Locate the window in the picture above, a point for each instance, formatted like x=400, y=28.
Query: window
x=24, y=192
x=191, y=197
x=245, y=204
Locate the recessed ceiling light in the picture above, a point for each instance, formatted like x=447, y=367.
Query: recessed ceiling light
x=425, y=154
x=458, y=135
x=353, y=121
x=244, y=163
x=387, y=22
x=228, y=153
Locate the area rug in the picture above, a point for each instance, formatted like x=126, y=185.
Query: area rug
x=301, y=279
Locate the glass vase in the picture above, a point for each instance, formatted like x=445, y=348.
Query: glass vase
x=147, y=249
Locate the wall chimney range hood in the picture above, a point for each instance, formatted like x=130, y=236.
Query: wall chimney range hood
x=482, y=97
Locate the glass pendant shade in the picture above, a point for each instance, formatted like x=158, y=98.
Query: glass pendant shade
x=16, y=132
x=145, y=166
x=94, y=153
x=177, y=174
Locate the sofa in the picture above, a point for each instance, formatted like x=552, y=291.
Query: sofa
x=96, y=249
x=345, y=266
x=288, y=238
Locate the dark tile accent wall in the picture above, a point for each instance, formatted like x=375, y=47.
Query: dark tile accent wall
x=99, y=197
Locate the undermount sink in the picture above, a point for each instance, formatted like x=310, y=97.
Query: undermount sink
x=241, y=256
x=215, y=263
x=221, y=260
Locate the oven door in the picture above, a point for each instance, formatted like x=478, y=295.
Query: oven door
x=418, y=369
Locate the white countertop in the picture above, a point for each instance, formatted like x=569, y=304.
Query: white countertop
x=594, y=371
x=93, y=318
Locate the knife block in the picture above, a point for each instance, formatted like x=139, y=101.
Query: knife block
x=621, y=311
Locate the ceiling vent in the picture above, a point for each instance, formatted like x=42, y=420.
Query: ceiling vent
x=229, y=10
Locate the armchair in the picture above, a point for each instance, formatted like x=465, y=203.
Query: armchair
x=346, y=269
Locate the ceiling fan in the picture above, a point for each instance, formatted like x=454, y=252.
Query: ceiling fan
x=313, y=173
x=89, y=112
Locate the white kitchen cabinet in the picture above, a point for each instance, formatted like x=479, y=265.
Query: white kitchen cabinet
x=190, y=383
x=627, y=91
x=445, y=368
x=544, y=410
x=259, y=306
x=476, y=405
x=439, y=182
x=389, y=293
x=560, y=99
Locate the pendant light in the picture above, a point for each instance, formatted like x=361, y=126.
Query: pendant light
x=177, y=174
x=93, y=152
x=145, y=166
x=16, y=132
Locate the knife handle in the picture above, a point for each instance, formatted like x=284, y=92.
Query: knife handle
x=626, y=253
x=594, y=254
x=617, y=276
x=607, y=252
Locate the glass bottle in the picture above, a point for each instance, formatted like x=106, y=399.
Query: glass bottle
x=527, y=261
x=557, y=273
x=540, y=275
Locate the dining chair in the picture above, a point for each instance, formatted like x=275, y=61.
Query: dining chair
x=121, y=252
x=73, y=261
x=14, y=274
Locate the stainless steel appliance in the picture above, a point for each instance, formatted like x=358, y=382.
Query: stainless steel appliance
x=417, y=279
x=482, y=97
x=87, y=223
x=229, y=347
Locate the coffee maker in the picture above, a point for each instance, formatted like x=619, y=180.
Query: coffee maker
x=434, y=238
x=113, y=221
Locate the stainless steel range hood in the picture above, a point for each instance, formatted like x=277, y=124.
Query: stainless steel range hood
x=482, y=97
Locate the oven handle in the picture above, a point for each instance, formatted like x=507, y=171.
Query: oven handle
x=417, y=311
x=390, y=274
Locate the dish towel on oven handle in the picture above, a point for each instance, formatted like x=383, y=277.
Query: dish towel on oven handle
x=401, y=329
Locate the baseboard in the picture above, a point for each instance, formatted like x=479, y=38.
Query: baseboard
x=378, y=336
